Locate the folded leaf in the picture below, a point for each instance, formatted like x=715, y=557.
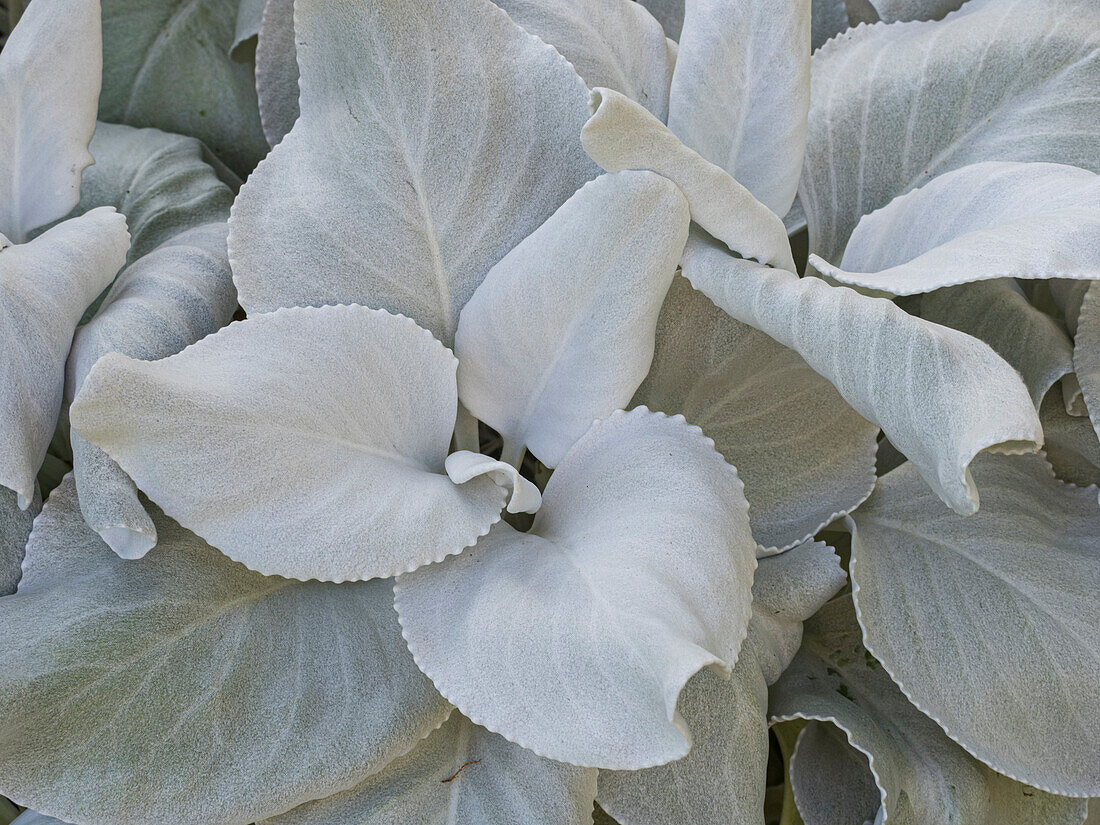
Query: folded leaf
x=1068, y=296
x=723, y=778
x=621, y=134
x=575, y=639
x=1071, y=447
x=1086, y=353
x=922, y=777
x=172, y=297
x=49, y=84
x=160, y=182
x=167, y=65
x=939, y=395
x=891, y=11
x=45, y=285
x=805, y=456
x=742, y=89
x=460, y=775
x=985, y=220
x=396, y=192
x=560, y=332
x=997, y=312
x=989, y=624
x=15, y=527
x=184, y=688
x=612, y=43
x=277, y=70
x=306, y=443
x=893, y=106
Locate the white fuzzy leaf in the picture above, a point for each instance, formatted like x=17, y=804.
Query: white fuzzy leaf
x=985, y=220
x=893, y=106
x=940, y=396
x=307, y=443
x=997, y=312
x=621, y=134
x=168, y=66
x=49, y=85
x=990, y=623
x=249, y=13
x=670, y=14
x=923, y=777
x=892, y=11
x=805, y=456
x=723, y=778
x=560, y=332
x=1071, y=447
x=172, y=297
x=184, y=688
x=277, y=70
x=742, y=89
x=460, y=775
x=15, y=527
x=396, y=188
x=45, y=286
x=612, y=43
x=576, y=638
x=1086, y=353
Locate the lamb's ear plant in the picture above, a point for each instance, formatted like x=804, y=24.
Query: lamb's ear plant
x=509, y=484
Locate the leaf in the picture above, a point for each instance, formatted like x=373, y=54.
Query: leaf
x=45, y=286
x=622, y=135
x=1086, y=353
x=922, y=777
x=49, y=83
x=805, y=456
x=184, y=688
x=277, y=70
x=306, y=443
x=741, y=91
x=396, y=191
x=989, y=624
x=1071, y=445
x=985, y=220
x=1068, y=295
x=670, y=14
x=940, y=396
x=460, y=775
x=828, y=18
x=723, y=778
x=560, y=332
x=612, y=43
x=160, y=182
x=997, y=312
x=893, y=106
x=625, y=594
x=249, y=13
x=891, y=11
x=168, y=66
x=15, y=527
x=172, y=297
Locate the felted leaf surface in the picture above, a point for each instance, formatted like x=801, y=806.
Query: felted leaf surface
x=434, y=136
x=277, y=70
x=985, y=220
x=1071, y=444
x=49, y=83
x=575, y=639
x=923, y=778
x=168, y=66
x=891, y=11
x=742, y=89
x=893, y=106
x=15, y=527
x=460, y=775
x=1068, y=295
x=805, y=456
x=670, y=14
x=621, y=134
x=160, y=182
x=1086, y=353
x=560, y=332
x=172, y=297
x=184, y=688
x=308, y=443
x=997, y=312
x=612, y=43
x=45, y=286
x=723, y=778
x=247, y=28
x=939, y=395
x=989, y=624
